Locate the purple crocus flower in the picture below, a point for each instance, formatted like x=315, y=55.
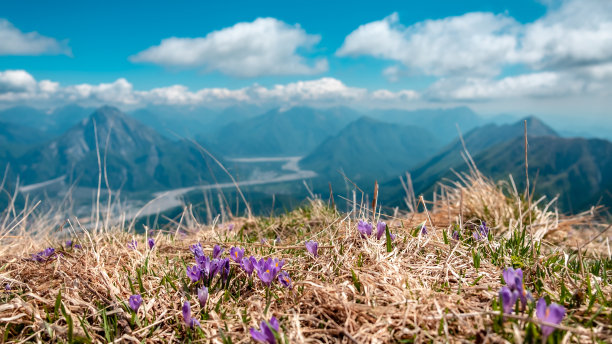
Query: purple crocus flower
x=424, y=230
x=194, y=273
x=217, y=252
x=68, y=243
x=248, y=264
x=189, y=321
x=224, y=268
x=551, y=314
x=455, y=235
x=365, y=228
x=197, y=250
x=7, y=287
x=133, y=244
x=265, y=333
x=263, y=241
x=266, y=271
x=312, y=247
x=44, y=255
x=285, y=280
x=237, y=254
x=482, y=232
x=135, y=301
x=230, y=227
x=202, y=296
x=514, y=281
x=508, y=299
x=380, y=229
x=151, y=243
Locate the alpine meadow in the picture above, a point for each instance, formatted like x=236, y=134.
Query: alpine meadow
x=306, y=172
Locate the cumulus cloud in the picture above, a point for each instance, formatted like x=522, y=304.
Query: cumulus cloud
x=571, y=35
x=15, y=42
x=18, y=86
x=474, y=43
x=265, y=46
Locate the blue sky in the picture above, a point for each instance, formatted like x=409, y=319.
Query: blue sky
x=543, y=57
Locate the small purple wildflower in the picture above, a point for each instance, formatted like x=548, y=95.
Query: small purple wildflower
x=44, y=255
x=151, y=243
x=217, y=252
x=277, y=240
x=224, y=267
x=133, y=244
x=285, y=280
x=266, y=270
x=380, y=229
x=194, y=273
x=230, y=227
x=312, y=247
x=514, y=281
x=265, y=333
x=78, y=246
x=197, y=250
x=189, y=321
x=424, y=230
x=135, y=301
x=202, y=296
x=237, y=254
x=248, y=264
x=552, y=314
x=482, y=232
x=508, y=299
x=455, y=235
x=263, y=241
x=7, y=287
x=68, y=243
x=365, y=228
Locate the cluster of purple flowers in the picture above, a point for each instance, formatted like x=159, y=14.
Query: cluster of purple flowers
x=70, y=243
x=45, y=255
x=266, y=331
x=365, y=229
x=482, y=232
x=514, y=290
x=207, y=268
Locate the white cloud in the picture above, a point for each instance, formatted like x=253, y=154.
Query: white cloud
x=575, y=33
x=15, y=42
x=571, y=35
x=18, y=86
x=474, y=43
x=265, y=46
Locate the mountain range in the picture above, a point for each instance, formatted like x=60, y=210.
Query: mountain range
x=148, y=149
x=368, y=149
x=136, y=156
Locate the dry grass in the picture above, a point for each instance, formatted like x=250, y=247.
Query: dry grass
x=427, y=289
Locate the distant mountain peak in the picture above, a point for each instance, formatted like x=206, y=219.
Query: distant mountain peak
x=536, y=127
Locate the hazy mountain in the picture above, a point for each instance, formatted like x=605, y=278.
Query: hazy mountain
x=367, y=150
x=476, y=141
x=441, y=122
x=52, y=123
x=295, y=131
x=176, y=122
x=578, y=169
x=136, y=156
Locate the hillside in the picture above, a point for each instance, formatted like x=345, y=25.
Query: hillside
x=295, y=131
x=578, y=170
x=136, y=156
x=367, y=149
x=476, y=141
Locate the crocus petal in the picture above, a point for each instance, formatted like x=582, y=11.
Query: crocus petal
x=541, y=309
x=259, y=336
x=555, y=313
x=202, y=296
x=380, y=229
x=275, y=324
